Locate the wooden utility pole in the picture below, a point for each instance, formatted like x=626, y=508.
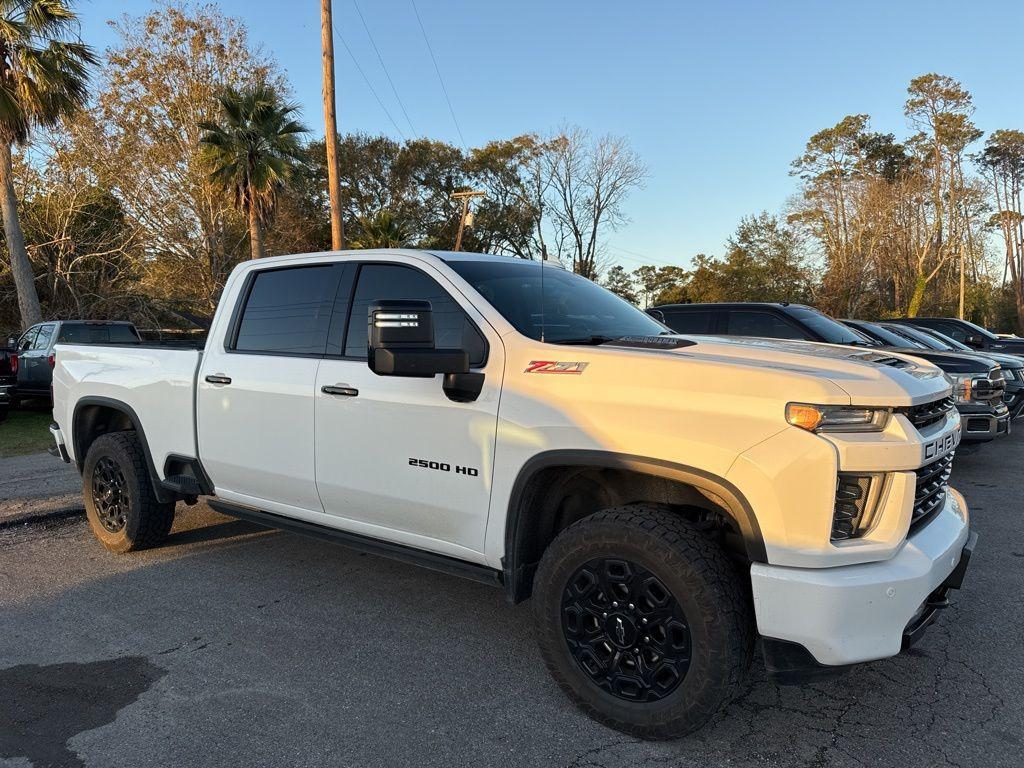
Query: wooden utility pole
x=465, y=197
x=963, y=283
x=331, y=125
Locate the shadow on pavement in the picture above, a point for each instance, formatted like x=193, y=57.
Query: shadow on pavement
x=44, y=706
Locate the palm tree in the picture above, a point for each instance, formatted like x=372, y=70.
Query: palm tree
x=381, y=231
x=43, y=77
x=253, y=152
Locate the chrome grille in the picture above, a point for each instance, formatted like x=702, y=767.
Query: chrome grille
x=932, y=484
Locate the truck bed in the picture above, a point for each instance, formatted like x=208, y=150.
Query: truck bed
x=139, y=375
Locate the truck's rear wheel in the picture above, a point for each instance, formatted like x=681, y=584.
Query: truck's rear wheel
x=643, y=620
x=120, y=504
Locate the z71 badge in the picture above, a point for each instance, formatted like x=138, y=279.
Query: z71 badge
x=554, y=366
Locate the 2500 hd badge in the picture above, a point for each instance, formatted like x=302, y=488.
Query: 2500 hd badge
x=443, y=467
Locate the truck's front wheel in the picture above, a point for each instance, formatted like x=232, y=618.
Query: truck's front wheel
x=120, y=504
x=643, y=620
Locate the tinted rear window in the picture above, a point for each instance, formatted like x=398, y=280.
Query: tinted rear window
x=743, y=322
x=287, y=311
x=97, y=333
x=697, y=321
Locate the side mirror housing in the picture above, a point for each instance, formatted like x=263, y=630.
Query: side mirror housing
x=974, y=340
x=401, y=342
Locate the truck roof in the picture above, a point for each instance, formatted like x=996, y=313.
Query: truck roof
x=446, y=256
x=732, y=304
x=92, y=322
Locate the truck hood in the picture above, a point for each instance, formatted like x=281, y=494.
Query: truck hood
x=1005, y=346
x=869, y=376
x=1006, y=361
x=950, y=362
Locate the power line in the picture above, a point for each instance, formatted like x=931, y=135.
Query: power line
x=384, y=67
x=367, y=81
x=439, y=78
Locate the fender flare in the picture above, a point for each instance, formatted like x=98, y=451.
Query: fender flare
x=161, y=493
x=733, y=501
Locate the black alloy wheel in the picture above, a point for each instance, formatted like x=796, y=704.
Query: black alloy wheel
x=626, y=630
x=110, y=494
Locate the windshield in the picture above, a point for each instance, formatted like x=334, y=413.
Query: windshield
x=924, y=338
x=983, y=331
x=574, y=309
x=830, y=330
x=891, y=336
x=949, y=341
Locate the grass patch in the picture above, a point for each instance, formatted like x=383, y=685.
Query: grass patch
x=25, y=432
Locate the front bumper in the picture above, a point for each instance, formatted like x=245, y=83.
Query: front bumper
x=983, y=422
x=1014, y=398
x=855, y=613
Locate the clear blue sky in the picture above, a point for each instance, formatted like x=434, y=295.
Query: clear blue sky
x=717, y=97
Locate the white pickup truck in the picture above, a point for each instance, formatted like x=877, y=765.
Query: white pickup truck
x=667, y=501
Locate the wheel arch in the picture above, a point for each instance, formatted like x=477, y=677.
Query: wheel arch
x=525, y=516
x=94, y=416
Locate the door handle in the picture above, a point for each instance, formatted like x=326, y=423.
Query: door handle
x=218, y=378
x=339, y=390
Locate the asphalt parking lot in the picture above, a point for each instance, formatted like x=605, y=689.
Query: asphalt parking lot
x=233, y=645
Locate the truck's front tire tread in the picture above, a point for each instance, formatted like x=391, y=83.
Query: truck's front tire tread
x=149, y=519
x=690, y=563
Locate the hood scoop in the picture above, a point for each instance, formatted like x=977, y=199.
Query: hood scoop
x=877, y=359
x=650, y=342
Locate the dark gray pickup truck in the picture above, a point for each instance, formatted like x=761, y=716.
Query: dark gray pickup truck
x=35, y=355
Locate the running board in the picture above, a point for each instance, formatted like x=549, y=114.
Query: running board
x=431, y=560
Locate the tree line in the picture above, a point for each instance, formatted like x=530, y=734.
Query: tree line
x=140, y=177
x=137, y=199
x=880, y=227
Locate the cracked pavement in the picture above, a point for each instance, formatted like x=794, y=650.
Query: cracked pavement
x=233, y=645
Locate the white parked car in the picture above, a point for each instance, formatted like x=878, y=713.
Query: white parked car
x=667, y=501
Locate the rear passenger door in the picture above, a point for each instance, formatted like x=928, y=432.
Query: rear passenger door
x=758, y=322
x=256, y=391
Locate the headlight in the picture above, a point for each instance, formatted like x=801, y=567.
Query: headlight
x=963, y=386
x=837, y=418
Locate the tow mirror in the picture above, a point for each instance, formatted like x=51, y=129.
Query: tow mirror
x=401, y=341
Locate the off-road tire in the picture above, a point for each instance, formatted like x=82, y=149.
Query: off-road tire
x=706, y=585
x=147, y=521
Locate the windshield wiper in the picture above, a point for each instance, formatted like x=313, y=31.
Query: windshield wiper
x=591, y=341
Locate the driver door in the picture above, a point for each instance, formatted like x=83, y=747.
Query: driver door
x=396, y=459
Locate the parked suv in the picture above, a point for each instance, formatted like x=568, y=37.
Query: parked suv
x=966, y=332
x=981, y=395
x=35, y=348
